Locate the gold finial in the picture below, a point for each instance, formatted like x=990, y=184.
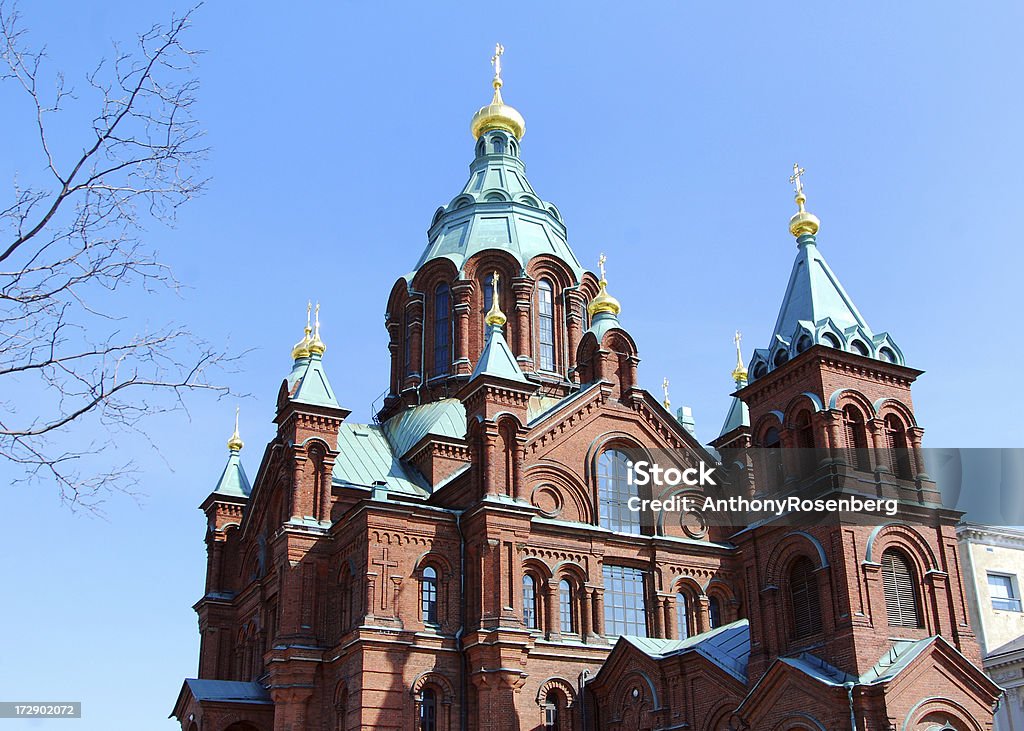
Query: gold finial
x=803, y=222
x=301, y=349
x=235, y=443
x=494, y=315
x=603, y=302
x=739, y=373
x=498, y=114
x=664, y=387
x=316, y=345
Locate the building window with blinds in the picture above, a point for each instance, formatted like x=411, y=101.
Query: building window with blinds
x=856, y=439
x=624, y=610
x=900, y=592
x=804, y=599
x=896, y=441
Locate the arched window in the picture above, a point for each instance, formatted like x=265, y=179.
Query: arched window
x=804, y=598
x=805, y=443
x=498, y=144
x=428, y=595
x=773, y=459
x=529, y=602
x=900, y=596
x=567, y=617
x=442, y=329
x=428, y=710
x=682, y=616
x=830, y=340
x=887, y=355
x=859, y=348
x=804, y=343
x=552, y=710
x=856, y=439
x=714, y=612
x=406, y=350
x=614, y=492
x=781, y=356
x=546, y=325
x=896, y=442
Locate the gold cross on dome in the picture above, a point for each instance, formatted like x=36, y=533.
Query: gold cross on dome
x=499, y=51
x=664, y=387
x=795, y=178
x=738, y=338
x=600, y=264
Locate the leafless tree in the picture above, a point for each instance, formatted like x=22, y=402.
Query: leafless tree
x=74, y=374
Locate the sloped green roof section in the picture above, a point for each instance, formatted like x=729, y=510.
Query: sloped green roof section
x=497, y=358
x=444, y=418
x=727, y=646
x=498, y=209
x=737, y=416
x=233, y=480
x=365, y=458
x=308, y=383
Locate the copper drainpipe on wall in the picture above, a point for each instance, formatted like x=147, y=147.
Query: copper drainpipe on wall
x=849, y=685
x=463, y=711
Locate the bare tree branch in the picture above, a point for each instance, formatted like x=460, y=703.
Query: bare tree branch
x=71, y=237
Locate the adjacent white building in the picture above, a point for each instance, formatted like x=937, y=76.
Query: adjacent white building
x=993, y=566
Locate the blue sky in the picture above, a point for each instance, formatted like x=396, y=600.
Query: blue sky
x=664, y=132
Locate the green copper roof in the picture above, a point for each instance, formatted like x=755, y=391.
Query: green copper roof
x=497, y=358
x=308, y=384
x=444, y=418
x=816, y=310
x=365, y=458
x=498, y=209
x=602, y=323
x=738, y=415
x=727, y=646
x=233, y=480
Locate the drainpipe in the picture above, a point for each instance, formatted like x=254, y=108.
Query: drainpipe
x=849, y=685
x=463, y=711
x=581, y=698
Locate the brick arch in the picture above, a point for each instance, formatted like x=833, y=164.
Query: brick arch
x=620, y=440
x=398, y=298
x=773, y=418
x=626, y=684
x=564, y=483
x=901, y=535
x=570, y=570
x=718, y=717
x=929, y=712
x=556, y=683
x=802, y=402
x=799, y=721
x=685, y=583
x=431, y=558
x=884, y=407
x=849, y=396
x=546, y=265
x=791, y=546
x=436, y=679
x=538, y=567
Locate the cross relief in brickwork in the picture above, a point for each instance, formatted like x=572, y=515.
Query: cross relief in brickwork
x=385, y=566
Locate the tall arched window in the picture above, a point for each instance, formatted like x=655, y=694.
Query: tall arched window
x=442, y=329
x=682, y=616
x=804, y=598
x=428, y=710
x=714, y=612
x=428, y=595
x=898, y=584
x=614, y=492
x=498, y=145
x=773, y=459
x=856, y=439
x=546, y=325
x=896, y=441
x=552, y=703
x=805, y=443
x=567, y=617
x=529, y=602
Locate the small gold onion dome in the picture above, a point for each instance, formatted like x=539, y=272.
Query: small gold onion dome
x=494, y=315
x=803, y=222
x=603, y=302
x=739, y=373
x=498, y=114
x=235, y=443
x=301, y=349
x=316, y=345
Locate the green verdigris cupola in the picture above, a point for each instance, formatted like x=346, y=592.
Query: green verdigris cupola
x=816, y=310
x=497, y=207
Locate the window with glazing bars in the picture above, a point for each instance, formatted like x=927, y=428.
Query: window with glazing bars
x=546, y=322
x=614, y=492
x=624, y=607
x=442, y=329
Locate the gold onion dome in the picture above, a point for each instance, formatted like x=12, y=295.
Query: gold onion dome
x=803, y=222
x=498, y=114
x=301, y=349
x=494, y=315
x=316, y=345
x=235, y=443
x=603, y=302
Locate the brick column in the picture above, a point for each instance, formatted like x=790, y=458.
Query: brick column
x=599, y=612
x=523, y=290
x=554, y=623
x=670, y=625
x=573, y=323
x=414, y=315
x=462, y=292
